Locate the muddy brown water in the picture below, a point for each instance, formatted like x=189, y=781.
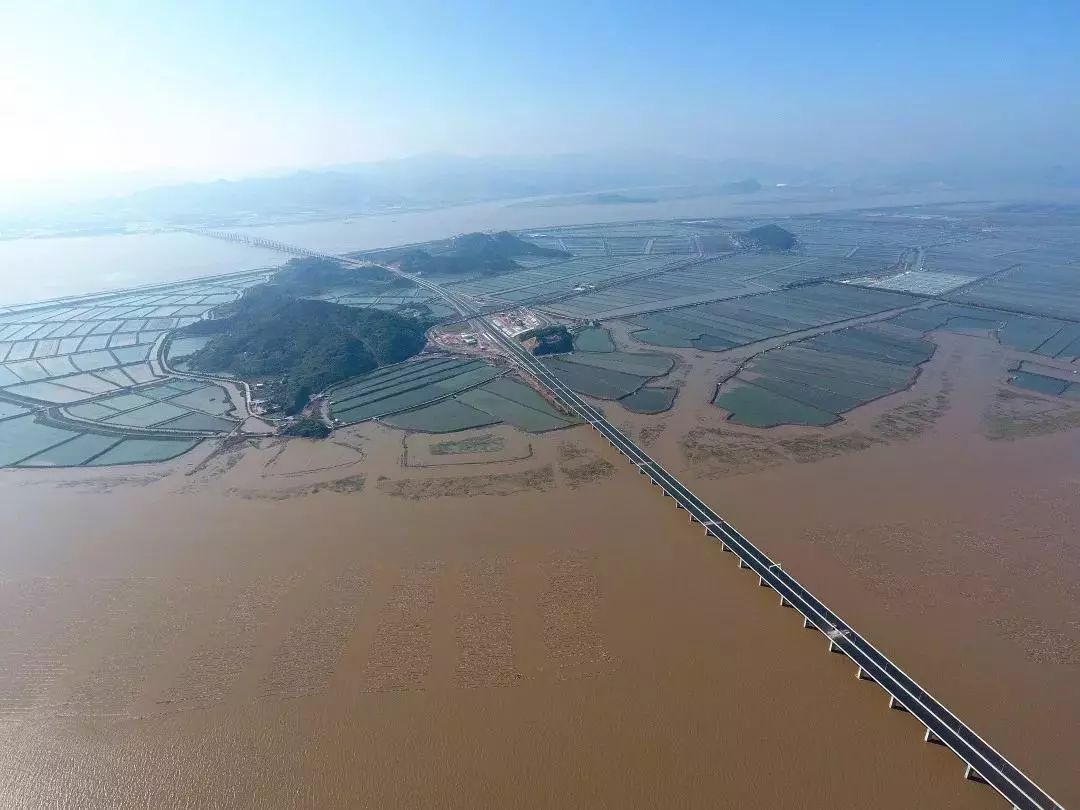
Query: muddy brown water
x=314, y=624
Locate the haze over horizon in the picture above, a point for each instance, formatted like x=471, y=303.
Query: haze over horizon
x=118, y=95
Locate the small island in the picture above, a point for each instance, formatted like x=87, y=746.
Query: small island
x=480, y=253
x=766, y=237
x=553, y=339
x=292, y=347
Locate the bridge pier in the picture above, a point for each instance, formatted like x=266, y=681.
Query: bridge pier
x=807, y=624
x=835, y=648
x=931, y=737
x=896, y=704
x=762, y=583
x=784, y=602
x=972, y=774
x=742, y=563
x=863, y=675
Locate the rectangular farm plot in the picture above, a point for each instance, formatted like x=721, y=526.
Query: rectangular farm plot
x=212, y=400
x=8, y=377
x=28, y=370
x=447, y=416
x=147, y=416
x=74, y=452
x=45, y=391
x=407, y=386
x=140, y=373
x=116, y=376
x=638, y=364
x=1040, y=383
x=755, y=407
x=9, y=409
x=505, y=403
x=57, y=366
x=23, y=437
x=501, y=400
x=92, y=411
x=89, y=383
x=650, y=400
x=137, y=451
x=199, y=422
x=131, y=354
x=1036, y=289
x=728, y=324
x=594, y=381
x=594, y=339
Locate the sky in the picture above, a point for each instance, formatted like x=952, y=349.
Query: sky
x=136, y=91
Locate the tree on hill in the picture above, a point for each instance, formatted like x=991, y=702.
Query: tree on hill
x=311, y=275
x=482, y=253
x=553, y=339
x=301, y=346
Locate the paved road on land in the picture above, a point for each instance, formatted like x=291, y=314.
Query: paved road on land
x=982, y=761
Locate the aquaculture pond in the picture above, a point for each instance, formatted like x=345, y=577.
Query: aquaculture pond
x=500, y=400
x=814, y=381
x=727, y=324
x=608, y=375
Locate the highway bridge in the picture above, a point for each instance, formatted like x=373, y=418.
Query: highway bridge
x=982, y=762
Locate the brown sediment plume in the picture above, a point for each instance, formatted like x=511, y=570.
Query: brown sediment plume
x=505, y=639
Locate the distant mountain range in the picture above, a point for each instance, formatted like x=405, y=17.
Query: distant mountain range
x=436, y=181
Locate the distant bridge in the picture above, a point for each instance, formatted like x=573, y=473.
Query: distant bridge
x=982, y=762
x=256, y=241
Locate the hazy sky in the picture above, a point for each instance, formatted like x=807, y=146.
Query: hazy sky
x=204, y=88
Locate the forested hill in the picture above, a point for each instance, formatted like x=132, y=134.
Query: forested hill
x=312, y=275
x=481, y=253
x=300, y=346
x=767, y=237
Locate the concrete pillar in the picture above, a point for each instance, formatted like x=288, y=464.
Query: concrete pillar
x=931, y=737
x=863, y=675
x=762, y=583
x=896, y=704
x=807, y=624
x=972, y=774
x=835, y=648
x=742, y=564
x=724, y=546
x=784, y=602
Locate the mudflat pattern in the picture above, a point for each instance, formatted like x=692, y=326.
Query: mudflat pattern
x=568, y=606
x=217, y=663
x=417, y=489
x=484, y=629
x=307, y=658
x=400, y=655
